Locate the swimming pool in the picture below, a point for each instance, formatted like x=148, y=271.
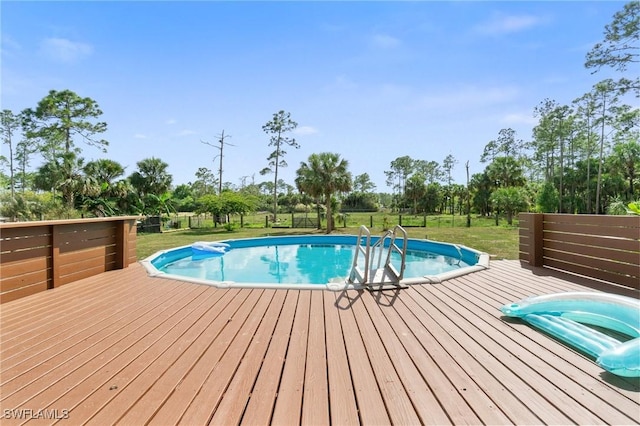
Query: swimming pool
x=311, y=261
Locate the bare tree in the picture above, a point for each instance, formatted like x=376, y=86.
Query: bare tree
x=220, y=146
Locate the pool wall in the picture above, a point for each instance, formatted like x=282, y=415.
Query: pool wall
x=477, y=260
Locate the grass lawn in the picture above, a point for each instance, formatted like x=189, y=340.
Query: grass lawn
x=501, y=242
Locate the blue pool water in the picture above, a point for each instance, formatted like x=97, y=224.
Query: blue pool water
x=302, y=260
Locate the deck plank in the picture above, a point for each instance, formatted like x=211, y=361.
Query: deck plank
x=288, y=408
x=555, y=354
x=186, y=391
x=107, y=381
x=315, y=407
x=525, y=365
x=129, y=384
x=518, y=377
x=472, y=361
x=265, y=390
x=445, y=376
x=97, y=371
x=126, y=348
x=18, y=327
x=399, y=406
x=47, y=303
x=57, y=336
x=433, y=390
x=344, y=410
x=207, y=329
x=371, y=406
x=201, y=410
x=47, y=381
x=238, y=392
x=417, y=387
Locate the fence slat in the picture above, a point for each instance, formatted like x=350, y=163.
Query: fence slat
x=598, y=246
x=39, y=255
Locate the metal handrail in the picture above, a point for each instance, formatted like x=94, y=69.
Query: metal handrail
x=369, y=253
x=365, y=251
x=393, y=246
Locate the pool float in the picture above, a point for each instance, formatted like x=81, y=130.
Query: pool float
x=203, y=249
x=569, y=316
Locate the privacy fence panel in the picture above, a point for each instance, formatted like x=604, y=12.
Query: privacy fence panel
x=597, y=246
x=36, y=256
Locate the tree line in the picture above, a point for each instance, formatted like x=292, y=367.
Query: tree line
x=583, y=157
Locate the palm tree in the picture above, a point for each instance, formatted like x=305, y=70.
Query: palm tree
x=626, y=158
x=65, y=173
x=324, y=175
x=505, y=172
x=151, y=178
x=415, y=189
x=108, y=193
x=511, y=200
x=104, y=170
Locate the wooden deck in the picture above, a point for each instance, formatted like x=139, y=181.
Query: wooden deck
x=125, y=348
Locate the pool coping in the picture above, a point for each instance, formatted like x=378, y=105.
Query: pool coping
x=481, y=264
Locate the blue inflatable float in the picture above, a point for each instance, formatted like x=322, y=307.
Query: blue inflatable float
x=205, y=249
x=570, y=316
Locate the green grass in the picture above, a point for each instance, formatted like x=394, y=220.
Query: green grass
x=500, y=242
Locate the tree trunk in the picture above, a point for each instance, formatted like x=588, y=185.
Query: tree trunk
x=275, y=196
x=329, y=216
x=600, y=158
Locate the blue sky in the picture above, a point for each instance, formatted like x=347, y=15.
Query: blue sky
x=372, y=81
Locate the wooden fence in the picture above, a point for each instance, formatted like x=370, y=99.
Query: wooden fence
x=597, y=246
x=36, y=256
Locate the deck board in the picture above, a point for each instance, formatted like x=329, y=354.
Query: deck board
x=369, y=399
x=69, y=365
x=191, y=349
x=136, y=388
x=399, y=405
x=183, y=395
x=441, y=370
x=556, y=355
x=344, y=410
x=100, y=368
x=288, y=408
x=260, y=410
x=418, y=390
x=54, y=336
x=239, y=390
x=212, y=390
x=315, y=375
x=125, y=348
x=523, y=366
x=435, y=398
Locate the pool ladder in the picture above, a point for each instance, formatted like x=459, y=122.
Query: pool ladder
x=375, y=275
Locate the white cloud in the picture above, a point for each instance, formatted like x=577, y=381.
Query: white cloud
x=469, y=97
x=341, y=83
x=385, y=41
x=305, y=130
x=9, y=45
x=507, y=24
x=187, y=132
x=556, y=79
x=64, y=50
x=140, y=136
x=333, y=27
x=519, y=118
x=171, y=121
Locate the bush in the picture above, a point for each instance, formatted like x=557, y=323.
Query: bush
x=301, y=208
